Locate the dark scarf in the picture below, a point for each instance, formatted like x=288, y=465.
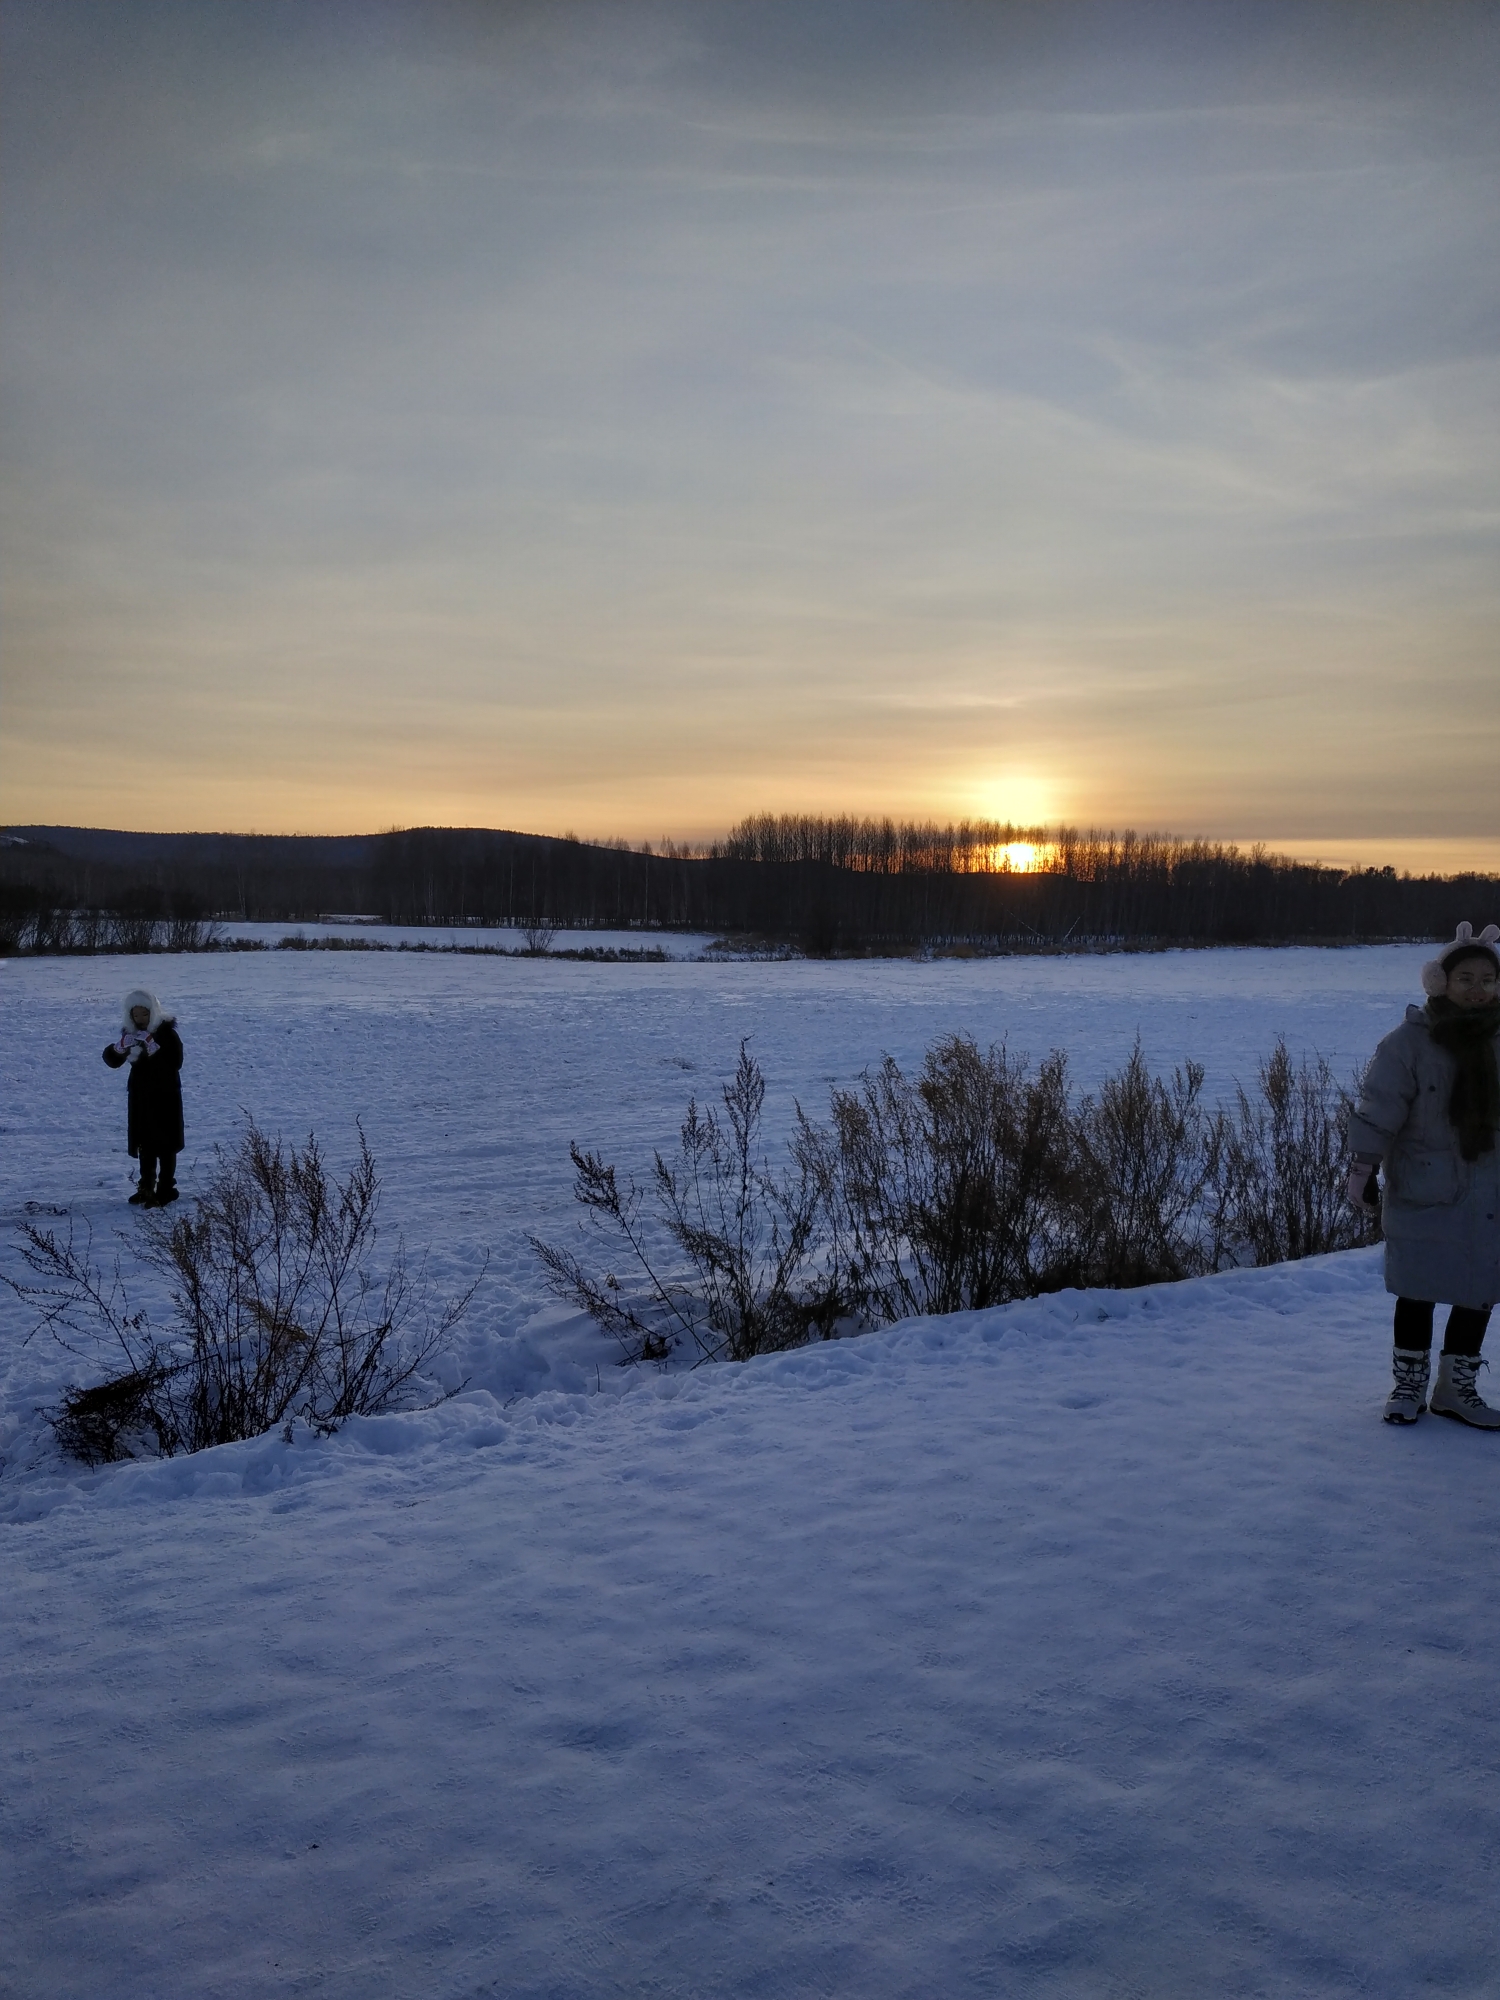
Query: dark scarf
x=1468, y=1034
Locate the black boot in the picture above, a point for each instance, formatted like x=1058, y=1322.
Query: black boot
x=145, y=1194
x=166, y=1180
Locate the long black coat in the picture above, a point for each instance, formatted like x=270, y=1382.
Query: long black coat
x=154, y=1094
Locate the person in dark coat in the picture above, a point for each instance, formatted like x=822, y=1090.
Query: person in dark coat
x=1428, y=1116
x=151, y=1049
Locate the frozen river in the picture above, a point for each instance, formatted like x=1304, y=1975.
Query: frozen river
x=472, y=1074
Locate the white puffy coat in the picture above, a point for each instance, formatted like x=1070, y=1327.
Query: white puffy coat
x=1442, y=1239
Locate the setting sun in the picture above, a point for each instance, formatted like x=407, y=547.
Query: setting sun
x=1019, y=856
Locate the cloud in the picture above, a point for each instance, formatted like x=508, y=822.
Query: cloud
x=619, y=415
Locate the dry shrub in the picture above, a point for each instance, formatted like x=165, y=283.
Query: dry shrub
x=275, y=1311
x=132, y=930
x=978, y=1181
x=1285, y=1165
x=944, y=1192
x=1145, y=1162
x=117, y=1419
x=722, y=1258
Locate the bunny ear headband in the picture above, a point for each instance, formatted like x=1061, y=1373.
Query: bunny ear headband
x=1435, y=971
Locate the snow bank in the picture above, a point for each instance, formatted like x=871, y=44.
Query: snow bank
x=1104, y=1644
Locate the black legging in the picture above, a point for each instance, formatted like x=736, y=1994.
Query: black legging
x=159, y=1170
x=1466, y=1325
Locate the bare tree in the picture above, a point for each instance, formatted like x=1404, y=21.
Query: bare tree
x=90, y=929
x=184, y=933
x=132, y=930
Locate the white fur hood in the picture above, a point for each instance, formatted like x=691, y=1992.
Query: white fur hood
x=139, y=996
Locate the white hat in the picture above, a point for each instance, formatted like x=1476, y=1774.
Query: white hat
x=141, y=996
x=1435, y=971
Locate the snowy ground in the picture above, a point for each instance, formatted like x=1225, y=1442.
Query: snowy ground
x=1105, y=1645
x=471, y=1075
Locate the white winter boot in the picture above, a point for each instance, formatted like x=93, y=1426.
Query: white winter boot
x=1408, y=1398
x=1454, y=1393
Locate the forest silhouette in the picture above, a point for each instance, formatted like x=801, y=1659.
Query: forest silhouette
x=825, y=884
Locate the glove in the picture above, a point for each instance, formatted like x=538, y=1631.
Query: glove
x=1362, y=1188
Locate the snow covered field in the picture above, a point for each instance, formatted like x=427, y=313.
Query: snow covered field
x=471, y=1075
x=1104, y=1645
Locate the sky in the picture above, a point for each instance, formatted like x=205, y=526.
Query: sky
x=621, y=418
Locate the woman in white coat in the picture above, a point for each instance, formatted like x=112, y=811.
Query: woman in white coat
x=1427, y=1115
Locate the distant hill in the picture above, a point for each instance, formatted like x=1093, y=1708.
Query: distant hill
x=114, y=847
x=422, y=875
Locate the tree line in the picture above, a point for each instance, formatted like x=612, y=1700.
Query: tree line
x=827, y=885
